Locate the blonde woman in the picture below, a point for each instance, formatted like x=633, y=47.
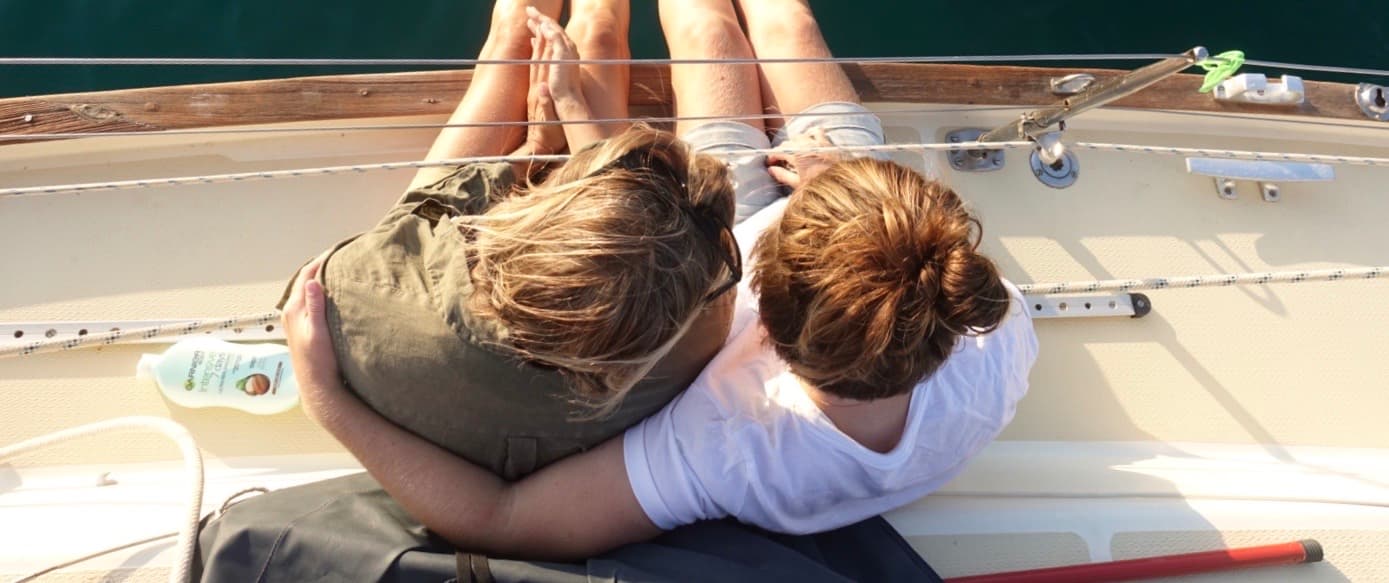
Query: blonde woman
x=509, y=318
x=875, y=353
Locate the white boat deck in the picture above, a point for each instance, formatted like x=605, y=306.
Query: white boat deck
x=1233, y=415
x=1019, y=505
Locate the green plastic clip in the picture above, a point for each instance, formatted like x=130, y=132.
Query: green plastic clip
x=1219, y=68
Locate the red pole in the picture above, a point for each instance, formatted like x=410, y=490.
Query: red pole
x=1304, y=551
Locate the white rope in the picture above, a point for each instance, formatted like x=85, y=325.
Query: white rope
x=192, y=463
x=1213, y=280
x=922, y=147
x=1123, y=285
x=266, y=175
x=358, y=168
x=147, y=333
x=235, y=498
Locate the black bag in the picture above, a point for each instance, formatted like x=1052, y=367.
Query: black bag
x=349, y=529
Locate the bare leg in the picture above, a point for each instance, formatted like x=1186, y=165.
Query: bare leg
x=708, y=29
x=599, y=29
x=497, y=93
x=785, y=29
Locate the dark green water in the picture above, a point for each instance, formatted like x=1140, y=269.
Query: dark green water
x=1332, y=32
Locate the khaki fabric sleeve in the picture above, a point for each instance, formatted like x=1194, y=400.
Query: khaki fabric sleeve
x=469, y=189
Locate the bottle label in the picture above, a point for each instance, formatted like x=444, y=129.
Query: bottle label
x=218, y=372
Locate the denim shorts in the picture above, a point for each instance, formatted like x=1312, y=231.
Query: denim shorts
x=844, y=123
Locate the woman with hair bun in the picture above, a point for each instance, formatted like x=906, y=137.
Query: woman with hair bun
x=870, y=278
x=874, y=353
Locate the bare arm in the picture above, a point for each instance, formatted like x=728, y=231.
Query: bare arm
x=578, y=507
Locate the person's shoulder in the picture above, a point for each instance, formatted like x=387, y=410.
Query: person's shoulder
x=1019, y=310
x=733, y=384
x=690, y=461
x=987, y=374
x=468, y=188
x=1016, y=335
x=731, y=392
x=1012, y=345
x=492, y=173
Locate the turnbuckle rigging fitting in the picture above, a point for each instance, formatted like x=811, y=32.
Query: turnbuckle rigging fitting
x=1051, y=162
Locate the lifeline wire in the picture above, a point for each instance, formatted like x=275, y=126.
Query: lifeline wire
x=922, y=147
x=51, y=61
x=327, y=170
x=160, y=61
x=483, y=124
x=1214, y=280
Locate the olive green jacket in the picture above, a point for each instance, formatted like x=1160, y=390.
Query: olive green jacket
x=407, y=344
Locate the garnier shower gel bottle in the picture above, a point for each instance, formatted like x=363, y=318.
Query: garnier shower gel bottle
x=207, y=372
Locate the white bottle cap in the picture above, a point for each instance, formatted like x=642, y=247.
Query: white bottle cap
x=144, y=370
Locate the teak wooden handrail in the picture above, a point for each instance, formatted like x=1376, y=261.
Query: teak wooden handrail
x=437, y=92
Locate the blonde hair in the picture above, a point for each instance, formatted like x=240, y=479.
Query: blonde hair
x=871, y=276
x=599, y=270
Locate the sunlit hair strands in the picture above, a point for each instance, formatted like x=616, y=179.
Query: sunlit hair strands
x=599, y=270
x=871, y=276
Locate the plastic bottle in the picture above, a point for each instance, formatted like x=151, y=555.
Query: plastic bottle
x=207, y=372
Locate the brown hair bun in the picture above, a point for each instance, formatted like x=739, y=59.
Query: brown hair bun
x=871, y=276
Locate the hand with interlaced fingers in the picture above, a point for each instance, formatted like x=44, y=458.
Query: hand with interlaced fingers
x=556, y=89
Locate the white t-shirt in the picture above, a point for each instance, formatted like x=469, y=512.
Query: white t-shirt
x=745, y=440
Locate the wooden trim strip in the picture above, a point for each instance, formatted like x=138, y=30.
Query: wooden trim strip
x=437, y=92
